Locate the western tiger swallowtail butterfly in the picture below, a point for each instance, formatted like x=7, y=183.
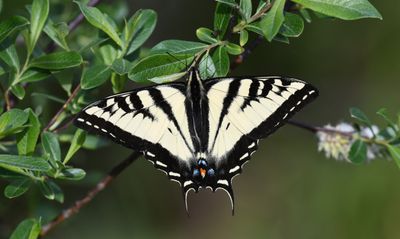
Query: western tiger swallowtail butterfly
x=200, y=133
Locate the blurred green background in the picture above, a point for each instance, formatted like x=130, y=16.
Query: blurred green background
x=288, y=190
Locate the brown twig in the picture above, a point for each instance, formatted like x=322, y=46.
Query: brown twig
x=62, y=109
x=100, y=186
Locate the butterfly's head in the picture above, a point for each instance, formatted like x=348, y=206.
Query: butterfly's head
x=202, y=171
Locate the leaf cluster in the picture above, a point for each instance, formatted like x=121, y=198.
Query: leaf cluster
x=381, y=141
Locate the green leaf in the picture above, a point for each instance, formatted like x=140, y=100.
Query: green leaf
x=231, y=3
x=292, y=26
x=76, y=144
x=306, y=15
x=9, y=55
x=95, y=76
x=221, y=61
x=262, y=4
x=26, y=140
x=178, y=47
x=343, y=9
x=33, y=75
x=281, y=38
x=222, y=17
x=99, y=20
x=395, y=153
x=51, y=146
x=71, y=174
x=39, y=14
x=24, y=162
x=158, y=65
x=108, y=53
x=273, y=20
x=356, y=113
x=57, y=61
x=244, y=37
x=206, y=67
x=51, y=191
x=385, y=115
x=118, y=82
x=12, y=121
x=234, y=49
x=27, y=229
x=50, y=97
x=167, y=78
x=57, y=33
x=138, y=29
x=17, y=187
x=358, y=152
x=206, y=35
x=18, y=91
x=121, y=66
x=246, y=8
x=254, y=27
x=12, y=25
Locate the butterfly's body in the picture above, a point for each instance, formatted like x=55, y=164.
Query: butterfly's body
x=199, y=132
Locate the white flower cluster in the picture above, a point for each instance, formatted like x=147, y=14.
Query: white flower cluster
x=335, y=141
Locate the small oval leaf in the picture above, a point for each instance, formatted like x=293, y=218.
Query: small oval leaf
x=57, y=61
x=17, y=187
x=138, y=29
x=358, y=152
x=273, y=20
x=159, y=65
x=39, y=14
x=27, y=229
x=222, y=17
x=9, y=26
x=24, y=162
x=234, y=49
x=101, y=21
x=292, y=26
x=71, y=174
x=95, y=76
x=356, y=113
x=178, y=47
x=343, y=9
x=221, y=61
x=206, y=35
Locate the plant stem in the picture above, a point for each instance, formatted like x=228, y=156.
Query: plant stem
x=63, y=108
x=100, y=186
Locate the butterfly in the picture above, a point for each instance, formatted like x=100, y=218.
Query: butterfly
x=200, y=133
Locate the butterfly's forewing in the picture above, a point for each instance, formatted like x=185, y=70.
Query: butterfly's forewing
x=245, y=110
x=151, y=120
